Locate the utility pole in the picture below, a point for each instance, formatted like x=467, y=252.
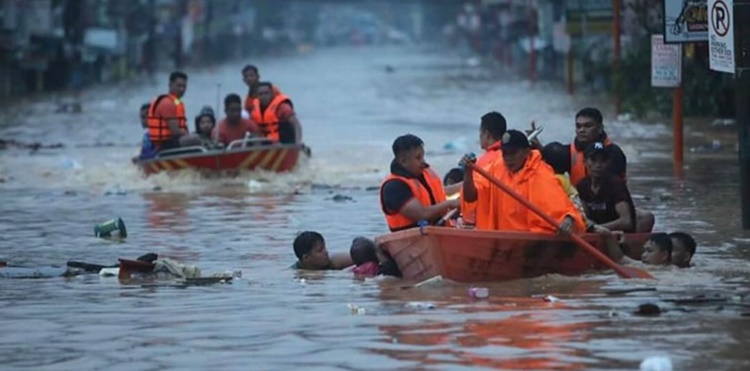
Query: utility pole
x=742, y=76
x=616, y=31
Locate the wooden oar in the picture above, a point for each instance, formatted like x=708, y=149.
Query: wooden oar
x=627, y=272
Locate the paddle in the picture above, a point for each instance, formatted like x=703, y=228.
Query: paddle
x=626, y=272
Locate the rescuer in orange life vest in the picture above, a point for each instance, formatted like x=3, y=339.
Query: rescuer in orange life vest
x=590, y=129
x=412, y=192
x=251, y=77
x=167, y=122
x=493, y=126
x=523, y=170
x=275, y=115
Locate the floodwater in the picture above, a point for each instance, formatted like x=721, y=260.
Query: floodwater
x=351, y=108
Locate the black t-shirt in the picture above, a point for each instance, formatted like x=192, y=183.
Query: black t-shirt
x=618, y=161
x=600, y=207
x=396, y=193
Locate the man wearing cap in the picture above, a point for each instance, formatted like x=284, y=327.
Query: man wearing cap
x=605, y=197
x=523, y=170
x=474, y=204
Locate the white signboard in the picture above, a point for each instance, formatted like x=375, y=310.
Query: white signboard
x=721, y=35
x=685, y=21
x=666, y=63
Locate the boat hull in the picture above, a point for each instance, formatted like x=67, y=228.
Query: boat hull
x=275, y=158
x=488, y=256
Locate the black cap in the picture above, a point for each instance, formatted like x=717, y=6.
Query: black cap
x=596, y=149
x=514, y=139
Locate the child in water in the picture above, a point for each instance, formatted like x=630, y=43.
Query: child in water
x=365, y=257
x=371, y=261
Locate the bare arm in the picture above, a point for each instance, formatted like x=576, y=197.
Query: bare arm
x=468, y=187
x=622, y=223
x=611, y=244
x=341, y=260
x=416, y=212
x=453, y=188
x=297, y=128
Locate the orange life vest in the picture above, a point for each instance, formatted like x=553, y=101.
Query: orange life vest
x=469, y=209
x=427, y=197
x=267, y=119
x=158, y=129
x=250, y=98
x=577, y=167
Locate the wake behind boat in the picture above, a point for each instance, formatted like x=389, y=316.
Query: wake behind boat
x=248, y=154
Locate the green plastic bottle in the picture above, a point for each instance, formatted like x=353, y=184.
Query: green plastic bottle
x=105, y=230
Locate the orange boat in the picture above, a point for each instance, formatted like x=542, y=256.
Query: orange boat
x=244, y=154
x=480, y=256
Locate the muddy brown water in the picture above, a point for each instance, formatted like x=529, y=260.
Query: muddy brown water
x=276, y=318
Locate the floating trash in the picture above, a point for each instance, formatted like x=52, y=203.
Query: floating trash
x=479, y=292
x=420, y=305
x=110, y=227
x=656, y=363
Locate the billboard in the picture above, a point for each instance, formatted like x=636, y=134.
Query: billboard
x=685, y=21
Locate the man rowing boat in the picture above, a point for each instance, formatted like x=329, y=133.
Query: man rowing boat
x=523, y=170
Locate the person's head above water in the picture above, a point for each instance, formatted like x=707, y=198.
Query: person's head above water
x=589, y=125
x=363, y=251
x=556, y=155
x=491, y=129
x=408, y=151
x=683, y=249
x=657, y=250
x=310, y=249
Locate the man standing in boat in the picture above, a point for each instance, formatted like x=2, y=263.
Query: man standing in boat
x=412, y=192
x=475, y=207
x=274, y=114
x=523, y=170
x=234, y=126
x=251, y=77
x=167, y=122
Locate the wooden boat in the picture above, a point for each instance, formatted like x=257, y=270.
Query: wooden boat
x=481, y=256
x=243, y=154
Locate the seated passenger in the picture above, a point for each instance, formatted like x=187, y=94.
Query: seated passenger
x=147, y=148
x=274, y=114
x=605, y=197
x=310, y=249
x=555, y=154
x=412, y=192
x=167, y=124
x=683, y=249
x=205, y=123
x=234, y=127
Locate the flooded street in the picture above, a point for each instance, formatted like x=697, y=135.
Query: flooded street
x=351, y=108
